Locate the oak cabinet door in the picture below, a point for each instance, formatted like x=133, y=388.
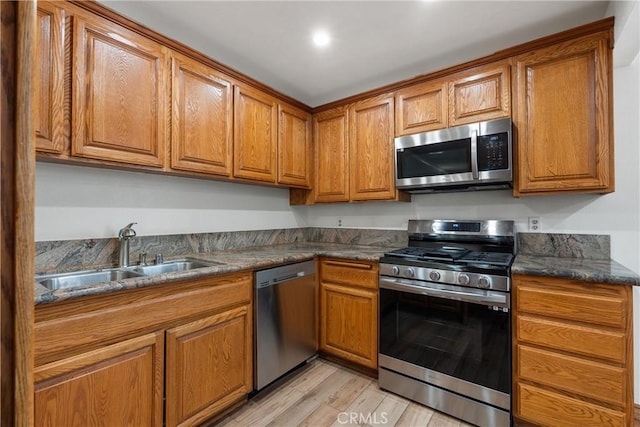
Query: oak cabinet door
x=255, y=135
x=563, y=118
x=49, y=115
x=209, y=366
x=422, y=108
x=349, y=323
x=331, y=160
x=119, y=110
x=294, y=146
x=202, y=118
x=479, y=94
x=371, y=132
x=118, y=385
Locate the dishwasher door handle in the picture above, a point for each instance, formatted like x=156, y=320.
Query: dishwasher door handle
x=286, y=278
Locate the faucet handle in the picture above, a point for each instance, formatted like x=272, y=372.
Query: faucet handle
x=127, y=232
x=143, y=258
x=159, y=258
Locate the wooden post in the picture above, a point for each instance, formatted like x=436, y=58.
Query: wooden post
x=17, y=165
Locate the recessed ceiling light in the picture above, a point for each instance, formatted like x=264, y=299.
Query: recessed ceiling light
x=321, y=38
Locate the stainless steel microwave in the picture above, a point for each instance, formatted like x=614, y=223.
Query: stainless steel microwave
x=476, y=156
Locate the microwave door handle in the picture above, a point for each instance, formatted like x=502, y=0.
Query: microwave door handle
x=474, y=154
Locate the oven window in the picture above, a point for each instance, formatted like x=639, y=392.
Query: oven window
x=463, y=340
x=445, y=158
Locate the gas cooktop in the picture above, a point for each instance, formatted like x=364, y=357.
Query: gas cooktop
x=462, y=253
x=454, y=255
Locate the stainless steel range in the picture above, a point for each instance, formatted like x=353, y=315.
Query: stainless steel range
x=445, y=338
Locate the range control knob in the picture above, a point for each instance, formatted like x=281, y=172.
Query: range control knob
x=410, y=272
x=463, y=279
x=395, y=270
x=434, y=275
x=484, y=282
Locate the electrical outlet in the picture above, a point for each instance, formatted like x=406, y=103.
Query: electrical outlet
x=534, y=223
x=339, y=222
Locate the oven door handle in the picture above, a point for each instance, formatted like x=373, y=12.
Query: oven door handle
x=493, y=299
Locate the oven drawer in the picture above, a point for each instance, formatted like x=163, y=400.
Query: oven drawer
x=565, y=299
x=354, y=273
x=546, y=408
x=587, y=378
x=605, y=344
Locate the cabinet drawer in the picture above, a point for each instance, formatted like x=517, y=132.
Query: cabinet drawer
x=597, y=304
x=546, y=408
x=587, y=378
x=571, y=337
x=356, y=273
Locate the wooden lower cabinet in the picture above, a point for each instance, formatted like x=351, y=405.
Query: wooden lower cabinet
x=109, y=360
x=349, y=311
x=209, y=366
x=120, y=384
x=572, y=352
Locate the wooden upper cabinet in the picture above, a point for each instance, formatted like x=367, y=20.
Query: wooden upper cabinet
x=331, y=146
x=117, y=385
x=481, y=93
x=294, y=146
x=371, y=124
x=49, y=115
x=255, y=135
x=202, y=118
x=421, y=108
x=563, y=116
x=119, y=109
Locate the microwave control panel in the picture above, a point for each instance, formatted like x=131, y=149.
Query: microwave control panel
x=493, y=152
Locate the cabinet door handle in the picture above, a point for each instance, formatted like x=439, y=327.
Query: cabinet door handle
x=349, y=265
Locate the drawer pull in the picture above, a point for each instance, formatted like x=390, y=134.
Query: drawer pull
x=349, y=265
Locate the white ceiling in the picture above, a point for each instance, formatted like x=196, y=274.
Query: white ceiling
x=374, y=42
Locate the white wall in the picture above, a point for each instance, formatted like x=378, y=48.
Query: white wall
x=74, y=202
x=627, y=79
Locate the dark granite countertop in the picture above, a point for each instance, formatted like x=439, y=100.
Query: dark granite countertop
x=590, y=270
x=260, y=257
x=254, y=258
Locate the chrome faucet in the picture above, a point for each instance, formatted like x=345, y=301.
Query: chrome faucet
x=124, y=235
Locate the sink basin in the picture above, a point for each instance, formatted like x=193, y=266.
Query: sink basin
x=83, y=278
x=172, y=266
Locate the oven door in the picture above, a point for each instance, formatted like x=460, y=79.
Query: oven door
x=452, y=337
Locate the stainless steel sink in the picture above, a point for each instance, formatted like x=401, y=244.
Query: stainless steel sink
x=92, y=277
x=173, y=266
x=83, y=278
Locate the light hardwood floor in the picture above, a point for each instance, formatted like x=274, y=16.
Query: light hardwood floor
x=326, y=394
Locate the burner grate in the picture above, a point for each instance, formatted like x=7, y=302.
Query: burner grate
x=494, y=258
x=453, y=255
x=448, y=253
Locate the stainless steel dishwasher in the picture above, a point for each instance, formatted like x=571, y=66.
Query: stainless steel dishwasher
x=285, y=332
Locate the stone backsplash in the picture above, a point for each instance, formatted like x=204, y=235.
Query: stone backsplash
x=586, y=246
x=68, y=255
